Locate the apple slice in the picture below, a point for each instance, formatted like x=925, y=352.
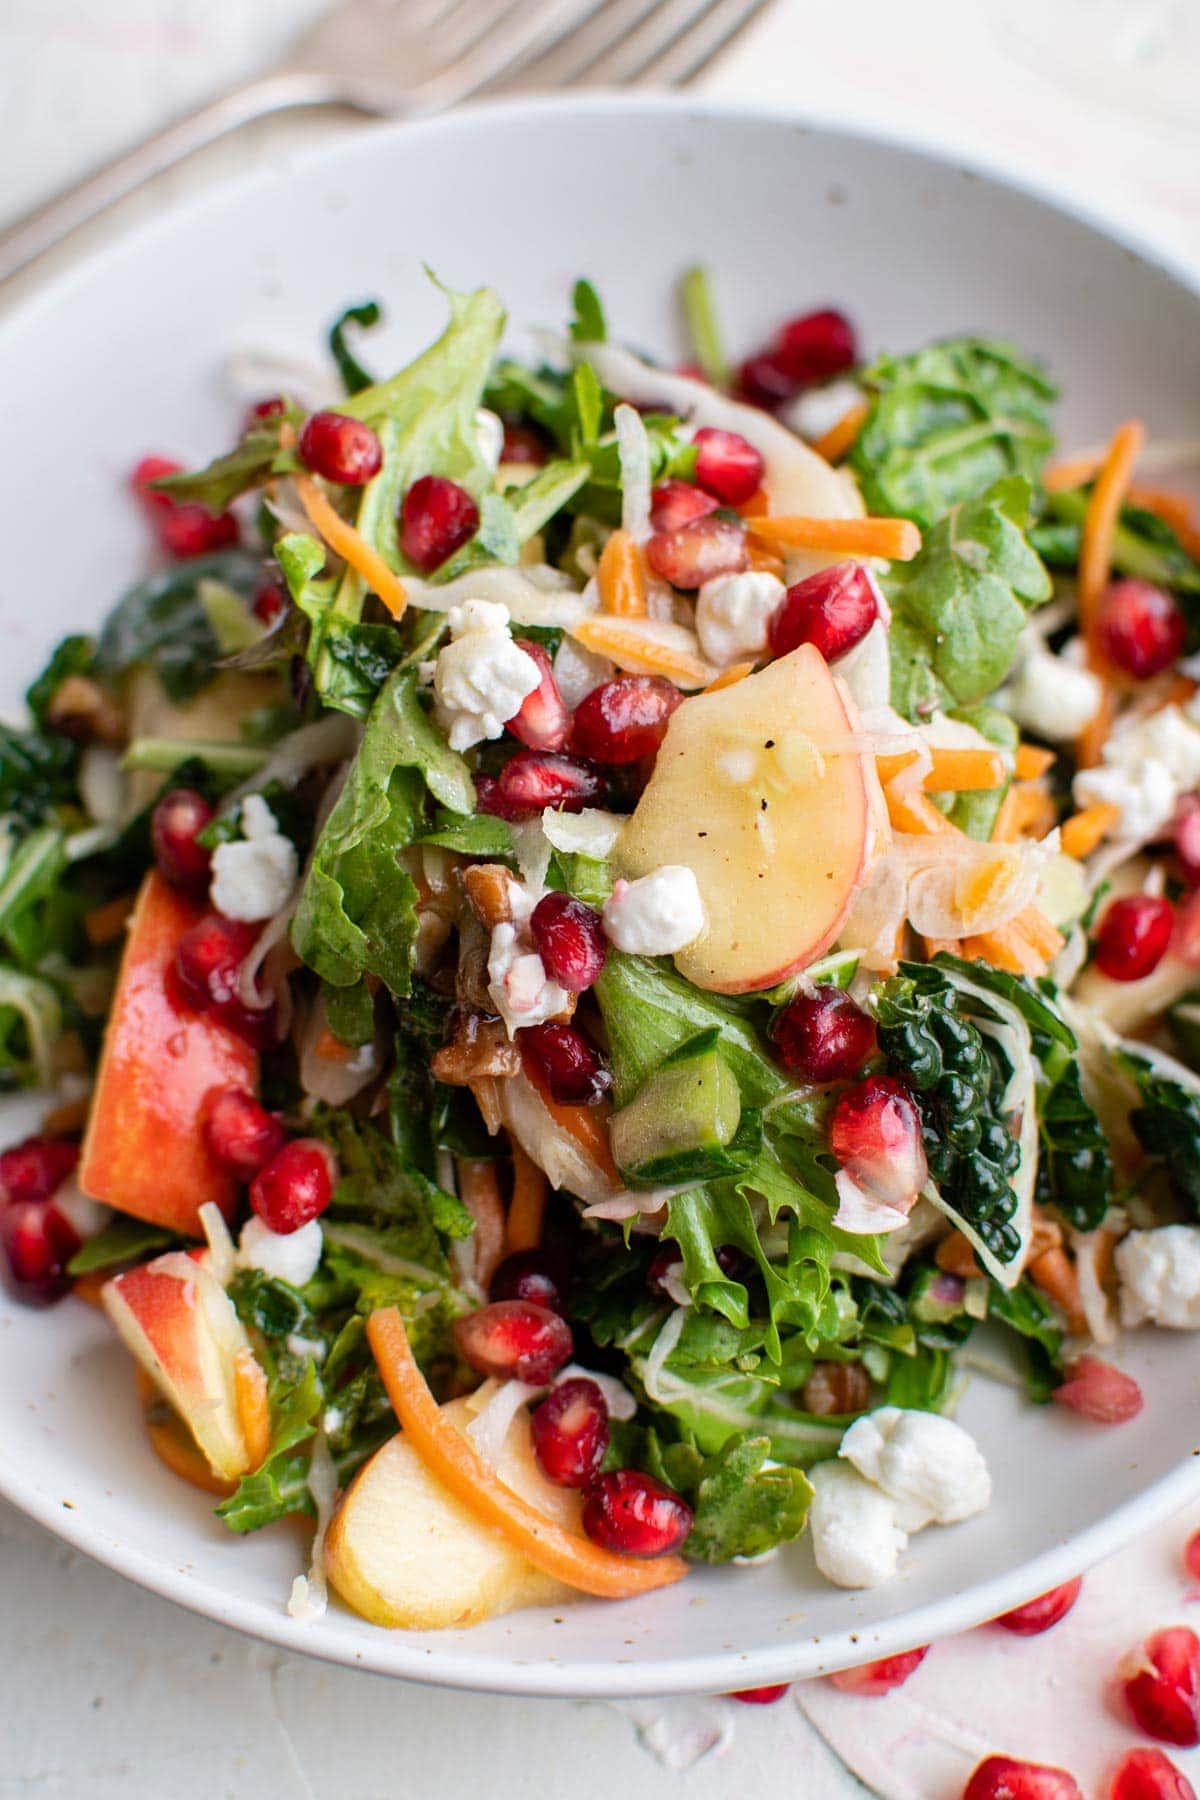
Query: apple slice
x=180, y=1324
x=402, y=1551
x=761, y=790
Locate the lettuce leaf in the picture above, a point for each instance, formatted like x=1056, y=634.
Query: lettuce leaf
x=741, y=1507
x=1144, y=545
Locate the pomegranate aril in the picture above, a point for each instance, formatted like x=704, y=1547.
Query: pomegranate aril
x=522, y=445
x=1164, y=1694
x=699, y=551
x=340, y=449
x=727, y=465
x=515, y=1340
x=295, y=1186
x=624, y=719
x=208, y=960
x=823, y=1036
x=833, y=610
x=1003, y=1778
x=241, y=1134
x=816, y=345
x=676, y=503
x=175, y=824
x=191, y=530
x=1150, y=1775
x=1187, y=845
x=36, y=1168
x=1140, y=628
x=533, y=780
x=269, y=601
x=566, y=1064
x=667, y=1262
x=1133, y=936
x=836, y=1389
x=154, y=468
x=882, y=1676
x=1101, y=1393
x=437, y=517
x=529, y=1275
x=38, y=1242
x=764, y=381
x=875, y=1134
x=760, y=1696
x=273, y=407
x=542, y=721
x=570, y=1432
x=1039, y=1615
x=569, y=938
x=635, y=1515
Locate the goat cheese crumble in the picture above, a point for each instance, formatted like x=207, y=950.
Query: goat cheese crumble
x=732, y=614
x=480, y=677
x=1159, y=1275
x=1054, y=697
x=289, y=1256
x=855, y=1538
x=253, y=877
x=656, y=915
x=521, y=990
x=1149, y=763
x=820, y=409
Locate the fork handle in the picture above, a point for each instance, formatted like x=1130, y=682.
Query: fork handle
x=38, y=230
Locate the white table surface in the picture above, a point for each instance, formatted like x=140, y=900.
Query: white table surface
x=109, y=1692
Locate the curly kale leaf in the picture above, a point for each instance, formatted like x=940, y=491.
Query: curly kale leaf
x=354, y=376
x=1167, y=1124
x=1144, y=545
x=164, y=623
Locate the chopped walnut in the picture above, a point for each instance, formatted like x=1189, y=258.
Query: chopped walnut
x=477, y=1046
x=955, y=1255
x=836, y=1388
x=487, y=886
x=80, y=709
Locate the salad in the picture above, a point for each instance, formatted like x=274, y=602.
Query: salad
x=599, y=937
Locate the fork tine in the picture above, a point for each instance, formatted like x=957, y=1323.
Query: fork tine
x=575, y=56
x=699, y=45
x=531, y=27
x=678, y=36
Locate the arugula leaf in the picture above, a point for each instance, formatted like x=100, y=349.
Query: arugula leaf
x=1023, y=1310
x=947, y=423
x=277, y=1487
x=253, y=460
x=1167, y=1124
x=354, y=376
x=704, y=332
x=164, y=624
x=741, y=1507
x=588, y=324
x=959, y=606
x=1144, y=545
x=122, y=1240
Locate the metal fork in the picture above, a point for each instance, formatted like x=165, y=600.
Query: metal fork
x=401, y=58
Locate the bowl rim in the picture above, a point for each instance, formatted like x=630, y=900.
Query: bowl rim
x=390, y=1652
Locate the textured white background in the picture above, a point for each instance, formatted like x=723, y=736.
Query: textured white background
x=111, y=1693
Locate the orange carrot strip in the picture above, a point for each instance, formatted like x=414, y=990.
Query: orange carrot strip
x=103, y=924
x=1084, y=830
x=1102, y=517
x=527, y=1208
x=1089, y=745
x=1175, y=510
x=1054, y=1273
x=172, y=1442
x=325, y=519
x=764, y=561
x=88, y=1287
x=1044, y=938
x=588, y=1125
x=757, y=506
x=911, y=811
x=332, y=1049
x=729, y=677
x=1072, y=472
x=898, y=540
x=253, y=1407
x=841, y=438
x=479, y=1191
x=621, y=577
x=1004, y=949
x=1025, y=811
x=952, y=771
x=631, y=647
x=453, y=1460
x=955, y=1255
x=1032, y=762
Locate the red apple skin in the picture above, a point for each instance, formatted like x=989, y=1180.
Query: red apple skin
x=145, y=1152
x=164, y=1304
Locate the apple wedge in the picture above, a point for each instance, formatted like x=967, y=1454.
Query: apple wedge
x=403, y=1552
x=761, y=790
x=176, y=1319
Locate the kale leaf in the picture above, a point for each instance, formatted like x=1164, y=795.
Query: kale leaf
x=1144, y=545
x=354, y=376
x=163, y=622
x=1167, y=1124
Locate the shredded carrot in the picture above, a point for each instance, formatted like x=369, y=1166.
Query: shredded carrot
x=952, y=771
x=757, y=506
x=764, y=561
x=1054, y=1273
x=841, y=438
x=330, y=1048
x=253, y=1407
x=1102, y=517
x=1045, y=939
x=88, y=1287
x=955, y=1255
x=632, y=647
x=104, y=924
x=588, y=1125
x=898, y=540
x=453, y=1460
x=1025, y=811
x=1175, y=510
x=527, y=1208
x=1084, y=830
x=173, y=1445
x=1032, y=762
x=730, y=677
x=1072, y=472
x=479, y=1191
x=1089, y=745
x=1004, y=949
x=325, y=519
x=621, y=577
x=913, y=812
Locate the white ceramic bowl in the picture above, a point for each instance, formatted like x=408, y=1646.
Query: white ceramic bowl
x=125, y=356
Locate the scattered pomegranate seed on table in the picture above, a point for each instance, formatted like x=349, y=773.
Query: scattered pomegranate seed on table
x=880, y=1677
x=515, y=1340
x=542, y=721
x=240, y=1132
x=437, y=517
x=175, y=824
x=1163, y=1695
x=698, y=551
x=340, y=449
x=676, y=503
x=1003, y=1778
x=823, y=1036
x=760, y=1696
x=1140, y=628
x=36, y=1168
x=635, y=1515
x=532, y=780
x=569, y=938
x=1101, y=1393
x=529, y=1275
x=1040, y=1614
x=1150, y=1775
x=833, y=610
x=568, y=1064
x=727, y=465
x=1133, y=936
x=38, y=1242
x=295, y=1186
x=570, y=1432
x=624, y=719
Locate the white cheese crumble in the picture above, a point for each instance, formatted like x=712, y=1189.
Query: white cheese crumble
x=1149, y=763
x=820, y=409
x=732, y=614
x=489, y=436
x=1053, y=696
x=253, y=877
x=656, y=915
x=481, y=677
x=290, y=1256
x=855, y=1538
x=1159, y=1275
x=929, y=1467
x=578, y=671
x=521, y=990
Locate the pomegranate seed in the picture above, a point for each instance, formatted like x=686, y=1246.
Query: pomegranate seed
x=1140, y=628
x=1133, y=936
x=154, y=468
x=880, y=1677
x=273, y=407
x=835, y=1389
x=566, y=1064
x=699, y=551
x=1002, y=1778
x=437, y=517
x=1191, y=1550
x=175, y=824
x=522, y=445
x=570, y=1432
x=765, y=382
x=823, y=1036
x=676, y=503
x=1187, y=843
x=38, y=1242
x=625, y=719
x=191, y=530
x=833, y=609
x=269, y=601
x=208, y=960
x=1098, y=1391
x=815, y=346
x=532, y=780
x=1149, y=1775
x=529, y=1275
x=295, y=1186
x=1039, y=1615
x=514, y=1339
x=542, y=721
x=240, y=1133
x=1164, y=1694
x=875, y=1133
x=570, y=940
x=727, y=465
x=763, y=1696
x=339, y=448
x=36, y=1168
x=632, y=1513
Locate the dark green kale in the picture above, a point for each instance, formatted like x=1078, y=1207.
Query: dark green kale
x=1167, y=1124
x=354, y=376
x=1144, y=545
x=164, y=623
